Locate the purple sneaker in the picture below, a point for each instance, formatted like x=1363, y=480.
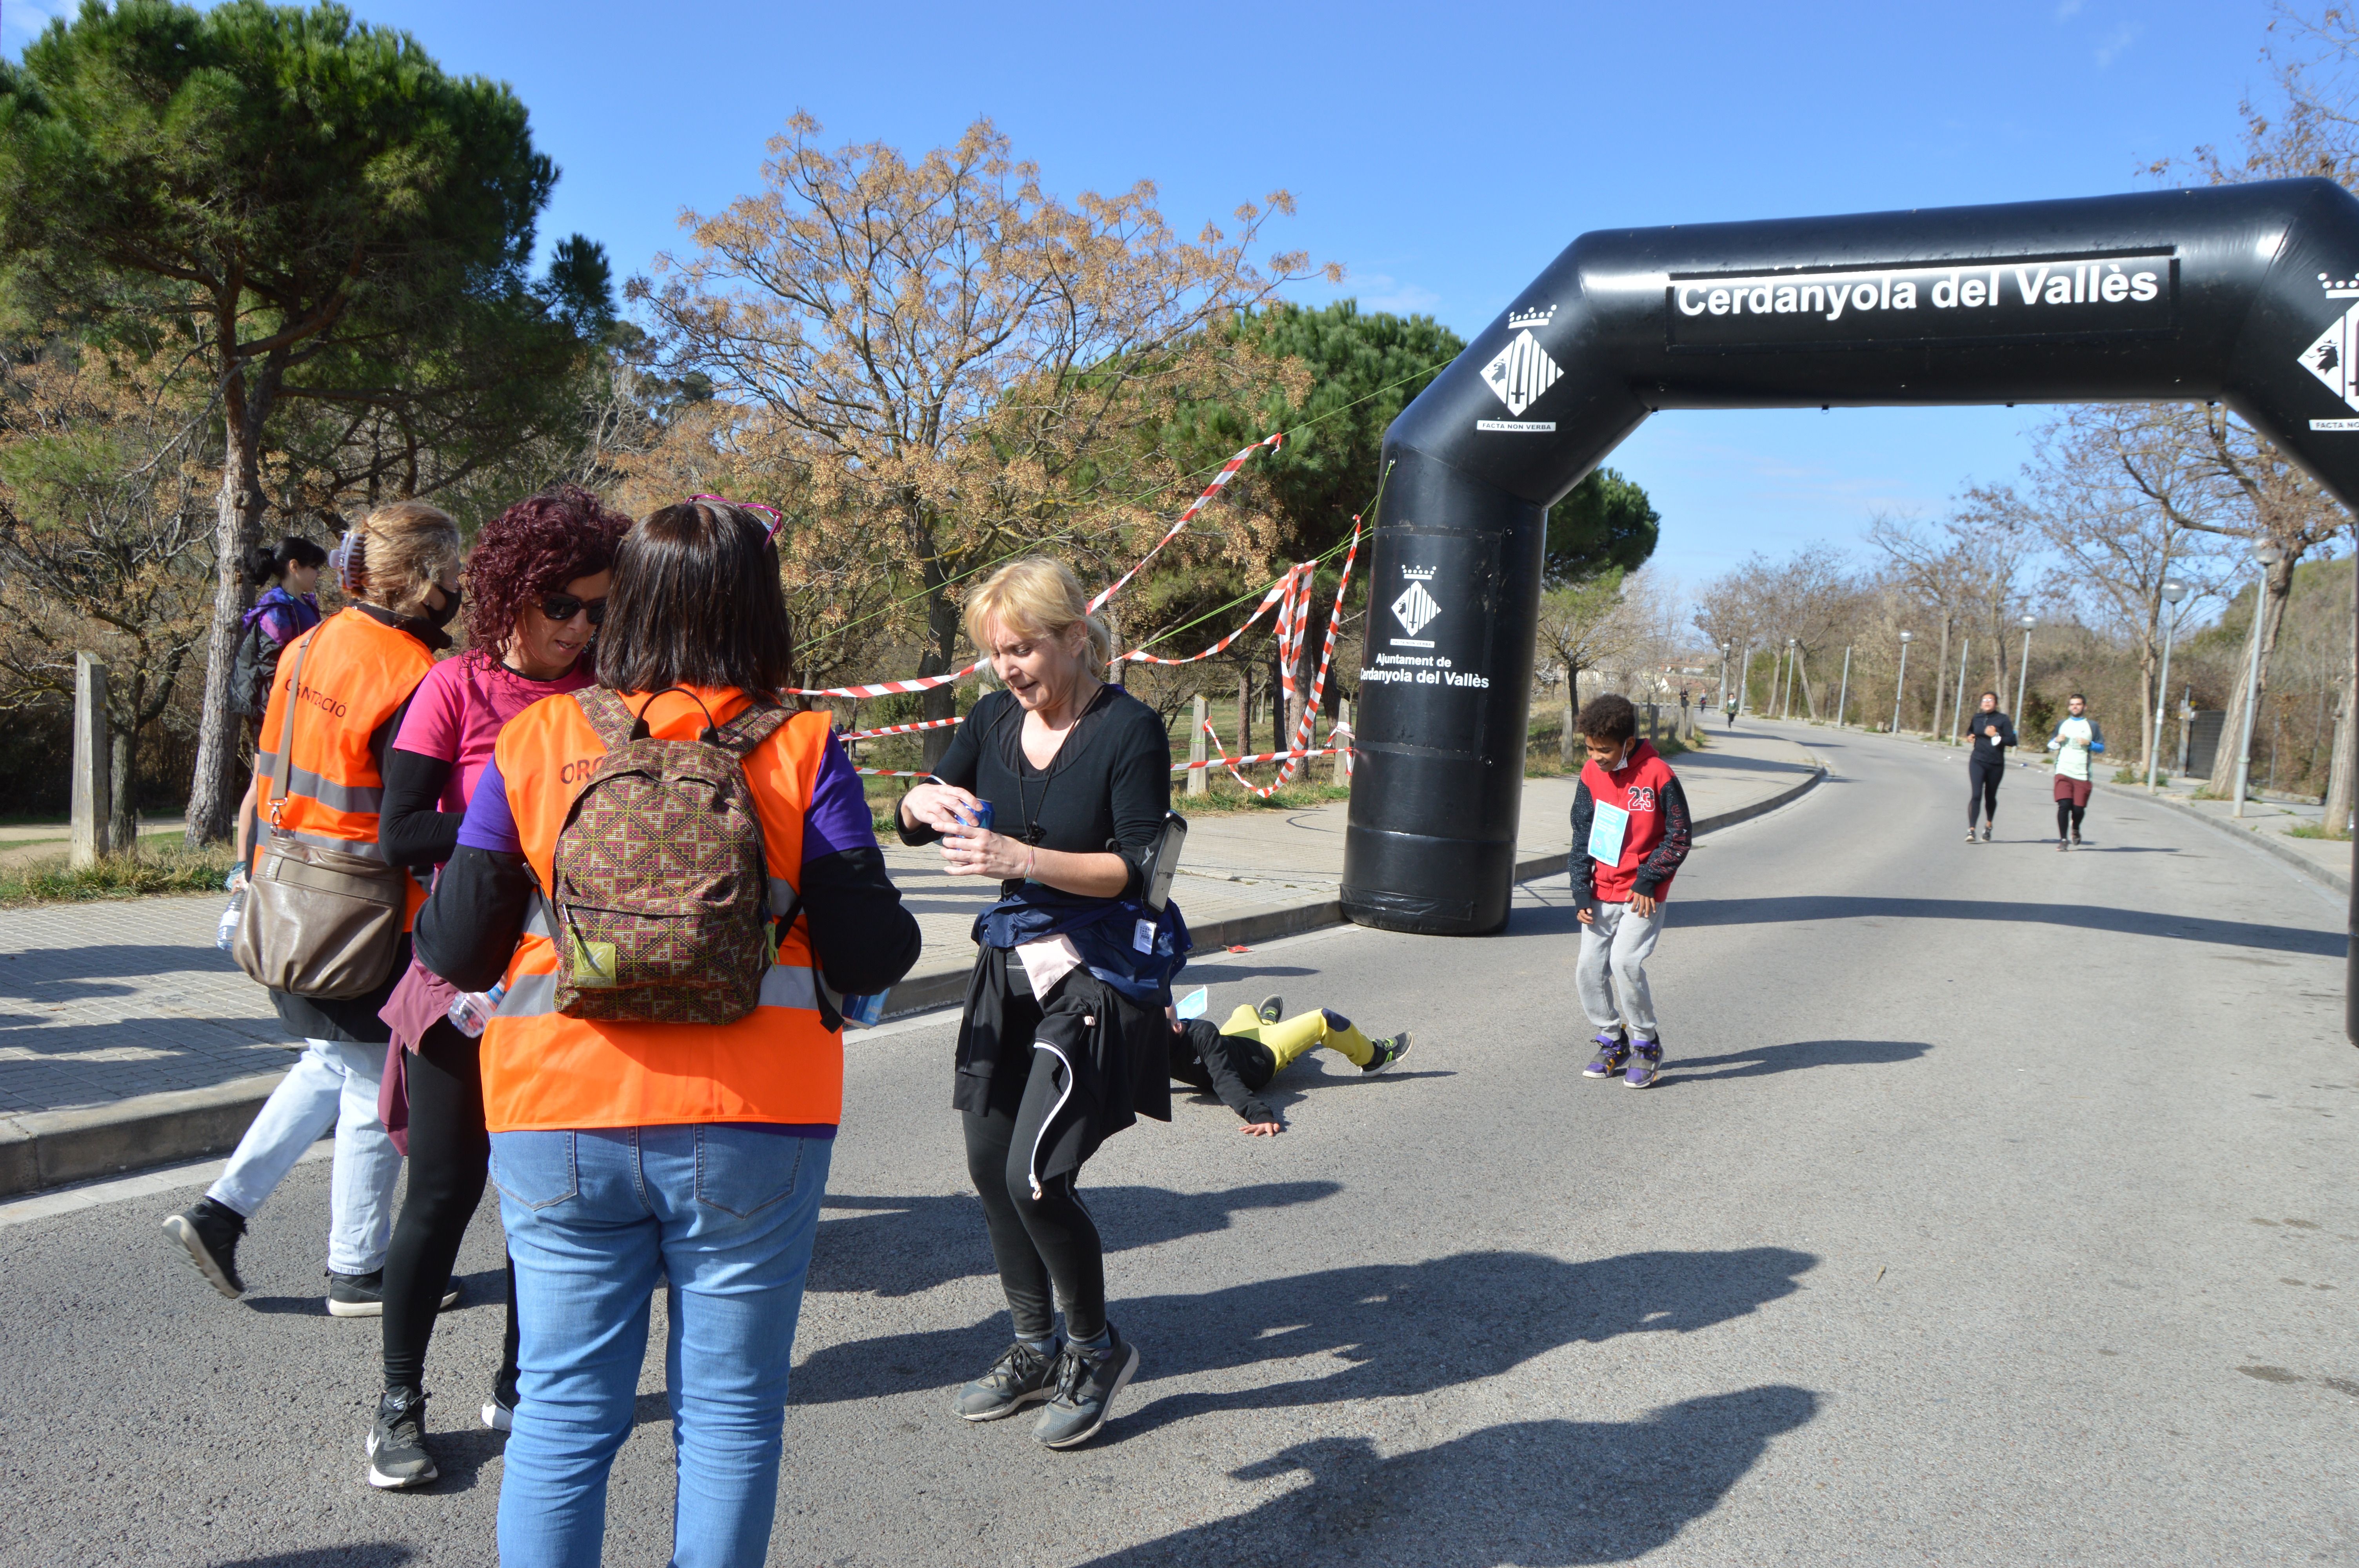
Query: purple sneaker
x=1612, y=1051
x=1646, y=1061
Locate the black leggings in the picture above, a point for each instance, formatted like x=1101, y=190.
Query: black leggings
x=1036, y=1240
x=2068, y=817
x=450, y=1154
x=1981, y=789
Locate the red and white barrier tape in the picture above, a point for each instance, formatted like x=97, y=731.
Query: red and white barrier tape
x=893, y=730
x=1277, y=594
x=1220, y=482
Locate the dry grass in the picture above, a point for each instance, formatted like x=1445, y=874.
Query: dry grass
x=157, y=867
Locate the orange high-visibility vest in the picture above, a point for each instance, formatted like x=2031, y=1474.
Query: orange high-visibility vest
x=778, y=1063
x=357, y=674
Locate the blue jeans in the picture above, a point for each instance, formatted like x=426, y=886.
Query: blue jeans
x=333, y=1083
x=726, y=1212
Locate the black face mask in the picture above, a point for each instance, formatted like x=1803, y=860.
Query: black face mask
x=437, y=619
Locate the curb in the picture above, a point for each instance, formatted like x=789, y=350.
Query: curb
x=2266, y=842
x=49, y=1148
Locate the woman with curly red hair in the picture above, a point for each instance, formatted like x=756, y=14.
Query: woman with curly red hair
x=537, y=587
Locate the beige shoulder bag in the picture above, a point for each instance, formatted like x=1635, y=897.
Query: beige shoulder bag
x=318, y=921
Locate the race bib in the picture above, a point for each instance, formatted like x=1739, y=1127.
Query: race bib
x=1606, y=831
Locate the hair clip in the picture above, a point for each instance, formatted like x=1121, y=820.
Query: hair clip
x=777, y=518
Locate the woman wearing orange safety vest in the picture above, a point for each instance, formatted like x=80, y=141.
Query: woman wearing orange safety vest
x=358, y=669
x=625, y=1150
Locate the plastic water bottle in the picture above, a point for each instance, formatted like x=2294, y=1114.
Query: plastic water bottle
x=470, y=1011
x=225, y=928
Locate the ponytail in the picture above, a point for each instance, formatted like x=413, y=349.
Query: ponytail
x=267, y=563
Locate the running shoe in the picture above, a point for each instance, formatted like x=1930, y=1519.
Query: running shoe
x=1646, y=1061
x=1020, y=1377
x=499, y=1410
x=1270, y=1009
x=1970, y=838
x=396, y=1443
x=1612, y=1051
x=1088, y=1382
x=363, y=1295
x=1987, y=832
x=1388, y=1050
x=2062, y=845
x=210, y=1232
x=2076, y=838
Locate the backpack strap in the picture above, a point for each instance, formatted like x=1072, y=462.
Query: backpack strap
x=751, y=727
x=608, y=715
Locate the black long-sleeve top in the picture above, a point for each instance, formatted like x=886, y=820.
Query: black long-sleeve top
x=1108, y=788
x=1985, y=748
x=1234, y=1068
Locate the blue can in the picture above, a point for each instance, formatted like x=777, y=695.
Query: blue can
x=979, y=816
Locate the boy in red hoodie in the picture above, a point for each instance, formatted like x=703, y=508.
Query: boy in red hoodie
x=1630, y=832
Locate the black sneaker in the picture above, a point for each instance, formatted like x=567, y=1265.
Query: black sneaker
x=1987, y=832
x=363, y=1295
x=1271, y=1009
x=396, y=1443
x=1019, y=1377
x=208, y=1231
x=1087, y=1383
x=1390, y=1049
x=499, y=1410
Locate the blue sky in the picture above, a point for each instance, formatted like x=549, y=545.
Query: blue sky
x=1444, y=154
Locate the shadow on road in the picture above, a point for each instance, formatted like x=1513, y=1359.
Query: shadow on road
x=1372, y=1332
x=2082, y=916
x=1789, y=1057
x=901, y=1246
x=1534, y=1492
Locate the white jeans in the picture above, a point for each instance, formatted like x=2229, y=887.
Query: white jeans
x=1610, y=973
x=334, y=1083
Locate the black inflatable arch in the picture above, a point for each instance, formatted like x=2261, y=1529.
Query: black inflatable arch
x=2247, y=293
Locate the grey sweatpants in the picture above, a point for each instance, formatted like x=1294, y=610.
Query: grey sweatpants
x=1610, y=973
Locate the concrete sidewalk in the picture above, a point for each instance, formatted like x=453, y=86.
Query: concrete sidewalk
x=127, y=1040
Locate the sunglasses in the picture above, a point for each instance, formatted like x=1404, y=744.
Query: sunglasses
x=565, y=607
x=777, y=518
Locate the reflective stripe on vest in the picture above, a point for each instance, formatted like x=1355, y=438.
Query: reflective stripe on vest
x=544, y=1070
x=357, y=672
x=530, y=996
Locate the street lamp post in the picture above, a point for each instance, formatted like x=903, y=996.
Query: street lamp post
x=1957, y=708
x=2264, y=555
x=1724, y=651
x=1787, y=710
x=2172, y=592
x=1843, y=695
x=1900, y=682
x=1744, y=678
x=2023, y=669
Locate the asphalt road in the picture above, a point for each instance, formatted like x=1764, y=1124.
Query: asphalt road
x=1995, y=1208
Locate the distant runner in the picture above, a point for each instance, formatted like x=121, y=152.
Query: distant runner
x=2076, y=740
x=1994, y=732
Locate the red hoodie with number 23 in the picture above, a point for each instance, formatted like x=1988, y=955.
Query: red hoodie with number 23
x=1656, y=841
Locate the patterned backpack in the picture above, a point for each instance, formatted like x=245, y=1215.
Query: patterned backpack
x=662, y=909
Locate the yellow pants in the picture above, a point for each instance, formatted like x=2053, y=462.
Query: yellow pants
x=1294, y=1038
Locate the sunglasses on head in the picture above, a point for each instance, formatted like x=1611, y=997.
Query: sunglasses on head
x=777, y=518
x=565, y=607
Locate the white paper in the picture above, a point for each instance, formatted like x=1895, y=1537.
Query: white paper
x=1142, y=937
x=1606, y=831
x=1047, y=960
